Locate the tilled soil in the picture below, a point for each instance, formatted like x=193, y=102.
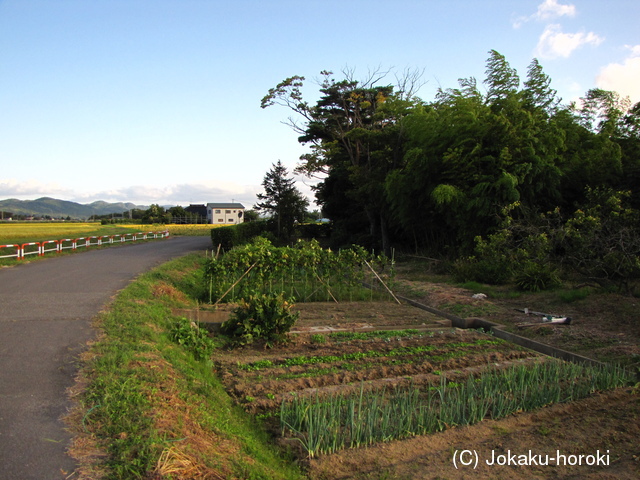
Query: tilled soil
x=603, y=429
x=334, y=366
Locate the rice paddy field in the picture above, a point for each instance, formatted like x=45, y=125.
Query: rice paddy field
x=15, y=232
x=36, y=232
x=19, y=233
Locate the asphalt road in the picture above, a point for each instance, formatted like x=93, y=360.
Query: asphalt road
x=46, y=309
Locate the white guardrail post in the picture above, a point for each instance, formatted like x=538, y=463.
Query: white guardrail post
x=14, y=246
x=20, y=251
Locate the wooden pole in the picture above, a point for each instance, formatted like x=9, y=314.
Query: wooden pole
x=383, y=284
x=237, y=282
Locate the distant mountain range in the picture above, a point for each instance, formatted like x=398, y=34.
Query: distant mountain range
x=63, y=208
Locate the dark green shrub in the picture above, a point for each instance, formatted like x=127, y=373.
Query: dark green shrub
x=314, y=230
x=260, y=317
x=225, y=237
x=494, y=271
x=537, y=276
x=233, y=235
x=247, y=231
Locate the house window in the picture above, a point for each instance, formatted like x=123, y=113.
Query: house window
x=227, y=211
x=231, y=220
x=217, y=211
x=221, y=220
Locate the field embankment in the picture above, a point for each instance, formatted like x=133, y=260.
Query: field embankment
x=146, y=407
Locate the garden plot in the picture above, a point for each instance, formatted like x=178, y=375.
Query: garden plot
x=359, y=369
x=341, y=361
x=349, y=389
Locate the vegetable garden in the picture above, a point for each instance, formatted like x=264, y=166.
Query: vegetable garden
x=345, y=387
x=306, y=272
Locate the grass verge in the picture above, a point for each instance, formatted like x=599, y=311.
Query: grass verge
x=147, y=407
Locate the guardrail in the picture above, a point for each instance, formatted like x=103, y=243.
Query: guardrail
x=22, y=250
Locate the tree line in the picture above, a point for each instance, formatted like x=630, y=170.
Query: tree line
x=154, y=214
x=440, y=177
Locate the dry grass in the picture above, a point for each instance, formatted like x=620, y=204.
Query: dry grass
x=164, y=289
x=196, y=448
x=177, y=464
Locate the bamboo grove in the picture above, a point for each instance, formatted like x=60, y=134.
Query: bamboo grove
x=432, y=176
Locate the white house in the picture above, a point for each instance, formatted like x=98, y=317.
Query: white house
x=225, y=213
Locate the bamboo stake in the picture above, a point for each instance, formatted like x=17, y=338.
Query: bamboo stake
x=383, y=284
x=327, y=287
x=237, y=282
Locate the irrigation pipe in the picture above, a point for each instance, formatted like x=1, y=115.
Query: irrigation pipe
x=383, y=284
x=236, y=283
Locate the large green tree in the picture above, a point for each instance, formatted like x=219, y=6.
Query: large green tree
x=355, y=140
x=435, y=175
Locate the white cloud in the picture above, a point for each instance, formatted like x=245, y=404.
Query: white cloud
x=547, y=10
x=624, y=77
x=550, y=9
x=176, y=194
x=553, y=43
x=181, y=194
x=31, y=189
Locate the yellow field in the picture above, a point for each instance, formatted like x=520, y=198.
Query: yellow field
x=196, y=230
x=17, y=232
x=38, y=232
x=192, y=230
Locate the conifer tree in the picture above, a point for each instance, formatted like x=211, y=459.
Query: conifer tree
x=282, y=201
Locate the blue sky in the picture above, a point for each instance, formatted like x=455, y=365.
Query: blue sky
x=158, y=101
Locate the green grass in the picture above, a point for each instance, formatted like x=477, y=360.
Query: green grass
x=574, y=295
x=138, y=374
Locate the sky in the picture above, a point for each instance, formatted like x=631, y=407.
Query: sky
x=158, y=101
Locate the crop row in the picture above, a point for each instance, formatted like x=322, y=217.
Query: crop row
x=327, y=424
x=305, y=272
x=360, y=355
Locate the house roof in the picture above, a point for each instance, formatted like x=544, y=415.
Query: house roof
x=225, y=205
